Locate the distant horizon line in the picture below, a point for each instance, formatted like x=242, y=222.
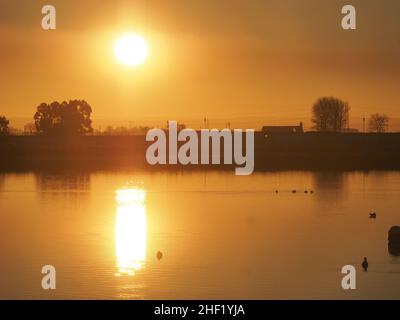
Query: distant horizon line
x=356, y=122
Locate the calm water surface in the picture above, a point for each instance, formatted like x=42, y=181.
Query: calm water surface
x=221, y=236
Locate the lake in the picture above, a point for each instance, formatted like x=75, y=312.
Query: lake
x=221, y=236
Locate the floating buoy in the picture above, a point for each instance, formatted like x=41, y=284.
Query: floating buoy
x=159, y=255
x=394, y=241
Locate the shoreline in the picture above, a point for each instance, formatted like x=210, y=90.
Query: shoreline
x=308, y=151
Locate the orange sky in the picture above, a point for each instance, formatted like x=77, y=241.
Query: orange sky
x=247, y=62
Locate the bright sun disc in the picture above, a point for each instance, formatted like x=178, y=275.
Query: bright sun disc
x=131, y=50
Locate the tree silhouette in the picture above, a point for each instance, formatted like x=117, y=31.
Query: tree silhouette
x=378, y=123
x=330, y=114
x=64, y=118
x=4, y=128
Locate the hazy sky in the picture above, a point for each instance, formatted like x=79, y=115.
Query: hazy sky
x=259, y=61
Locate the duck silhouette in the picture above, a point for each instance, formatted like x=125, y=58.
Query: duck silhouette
x=365, y=265
x=372, y=215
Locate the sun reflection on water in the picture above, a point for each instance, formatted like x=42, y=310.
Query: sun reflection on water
x=130, y=231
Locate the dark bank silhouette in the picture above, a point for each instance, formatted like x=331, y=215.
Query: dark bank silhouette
x=60, y=140
x=308, y=151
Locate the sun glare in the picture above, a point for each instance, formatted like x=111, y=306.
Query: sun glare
x=130, y=231
x=131, y=50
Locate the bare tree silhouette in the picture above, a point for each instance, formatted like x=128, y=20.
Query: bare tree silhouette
x=378, y=123
x=330, y=114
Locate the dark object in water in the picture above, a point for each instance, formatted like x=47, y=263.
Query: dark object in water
x=365, y=264
x=394, y=235
x=276, y=191
x=394, y=241
x=294, y=191
x=306, y=191
x=372, y=215
x=394, y=249
x=159, y=255
x=311, y=192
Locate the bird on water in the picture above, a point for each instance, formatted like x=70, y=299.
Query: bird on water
x=372, y=215
x=365, y=264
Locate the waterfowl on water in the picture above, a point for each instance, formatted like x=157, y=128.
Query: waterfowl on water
x=372, y=215
x=365, y=264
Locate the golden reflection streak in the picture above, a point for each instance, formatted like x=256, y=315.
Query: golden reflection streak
x=130, y=231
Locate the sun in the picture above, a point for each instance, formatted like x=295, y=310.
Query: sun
x=131, y=49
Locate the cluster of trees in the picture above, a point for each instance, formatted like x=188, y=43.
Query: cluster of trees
x=330, y=114
x=64, y=118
